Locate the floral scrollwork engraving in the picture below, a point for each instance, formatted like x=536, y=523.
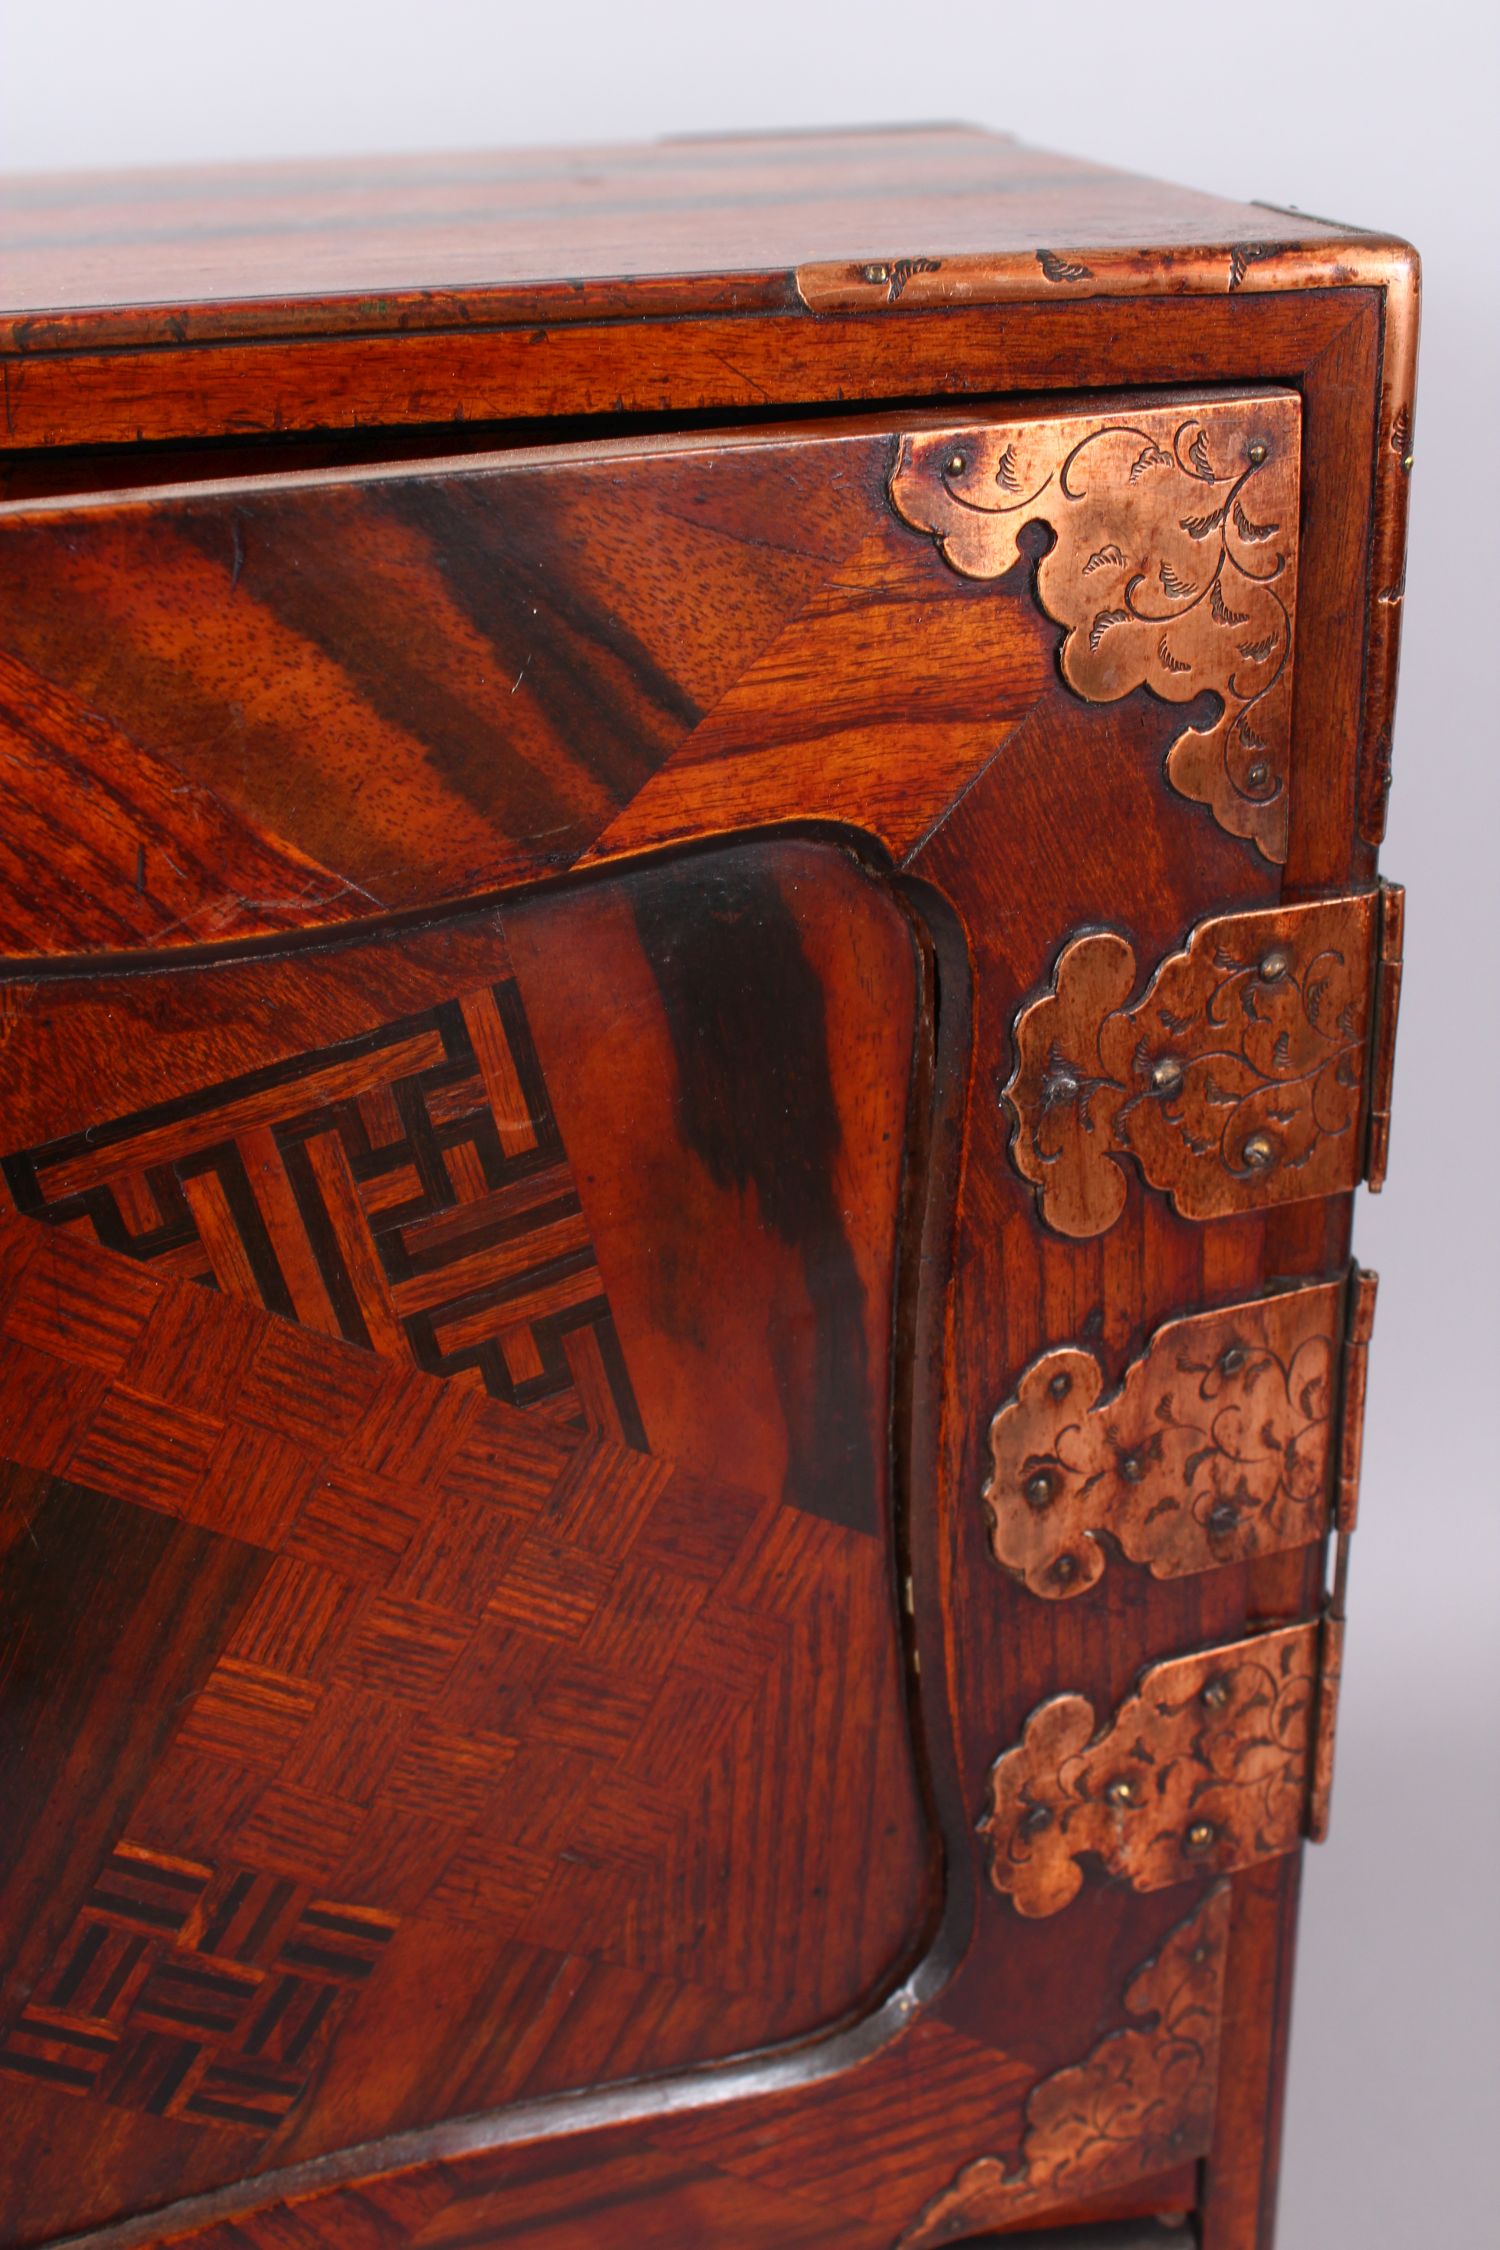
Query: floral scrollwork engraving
x=1235, y=1081
x=1205, y=1768
x=1173, y=567
x=1215, y=1447
x=1141, y=2102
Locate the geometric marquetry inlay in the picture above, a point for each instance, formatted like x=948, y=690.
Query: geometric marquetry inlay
x=407, y=1190
x=189, y=1991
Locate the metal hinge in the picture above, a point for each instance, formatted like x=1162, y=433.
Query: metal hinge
x=1220, y=1443
x=1387, y=1003
x=1249, y=1068
x=1216, y=1761
x=1360, y=1326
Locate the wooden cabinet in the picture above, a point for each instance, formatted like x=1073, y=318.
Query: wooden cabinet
x=693, y=983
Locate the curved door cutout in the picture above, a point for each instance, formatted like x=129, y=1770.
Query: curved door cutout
x=449, y=1376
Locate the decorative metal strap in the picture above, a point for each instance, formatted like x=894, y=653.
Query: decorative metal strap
x=1173, y=566
x=1141, y=2102
x=1205, y=1768
x=1238, y=1079
x=1217, y=1446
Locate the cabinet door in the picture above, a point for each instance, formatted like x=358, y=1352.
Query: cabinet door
x=672, y=1289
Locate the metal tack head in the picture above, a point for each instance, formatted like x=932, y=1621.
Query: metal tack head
x=1120, y=1791
x=1260, y=1152
x=1259, y=452
x=1200, y=1838
x=1040, y=1489
x=1166, y=1074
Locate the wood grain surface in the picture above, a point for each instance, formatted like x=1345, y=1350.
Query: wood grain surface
x=377, y=243
x=309, y=700
x=542, y=1577
x=516, y=902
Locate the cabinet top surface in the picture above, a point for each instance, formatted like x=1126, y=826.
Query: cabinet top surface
x=361, y=244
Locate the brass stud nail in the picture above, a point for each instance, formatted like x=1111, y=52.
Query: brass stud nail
x=1166, y=1074
x=1274, y=965
x=1408, y=461
x=1258, y=774
x=1065, y=1569
x=1231, y=1359
x=1121, y=1792
x=1260, y=1152
x=956, y=465
x=874, y=273
x=1200, y=1837
x=1132, y=1467
x=1216, y=1694
x=1060, y=1385
x=1040, y=1489
x=1259, y=452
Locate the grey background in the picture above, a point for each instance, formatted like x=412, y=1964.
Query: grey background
x=1380, y=115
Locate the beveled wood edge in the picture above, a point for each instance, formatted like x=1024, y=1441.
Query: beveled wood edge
x=1338, y=257
x=1344, y=259
x=402, y=312
x=172, y=392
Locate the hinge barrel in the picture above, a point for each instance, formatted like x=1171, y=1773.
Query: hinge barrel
x=1325, y=1725
x=1383, y=1032
x=1360, y=1325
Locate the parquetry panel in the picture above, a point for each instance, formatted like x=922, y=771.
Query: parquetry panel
x=407, y=1190
x=195, y=1992
x=505, y=1694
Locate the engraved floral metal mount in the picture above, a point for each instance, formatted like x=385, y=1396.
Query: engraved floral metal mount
x=1235, y=1081
x=1173, y=567
x=1217, y=1446
x=1141, y=2102
x=1205, y=1768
